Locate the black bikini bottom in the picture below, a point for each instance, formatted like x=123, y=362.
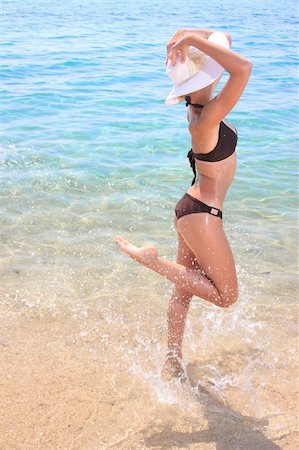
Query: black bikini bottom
x=190, y=205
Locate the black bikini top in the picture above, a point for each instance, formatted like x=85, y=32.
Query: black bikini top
x=226, y=145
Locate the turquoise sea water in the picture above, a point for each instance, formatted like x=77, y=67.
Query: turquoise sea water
x=88, y=150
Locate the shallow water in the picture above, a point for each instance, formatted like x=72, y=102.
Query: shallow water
x=89, y=150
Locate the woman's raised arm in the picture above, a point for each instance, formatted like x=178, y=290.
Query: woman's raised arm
x=183, y=32
x=236, y=65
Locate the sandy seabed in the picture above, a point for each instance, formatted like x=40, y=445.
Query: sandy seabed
x=83, y=382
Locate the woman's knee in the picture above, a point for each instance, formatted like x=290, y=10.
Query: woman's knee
x=227, y=298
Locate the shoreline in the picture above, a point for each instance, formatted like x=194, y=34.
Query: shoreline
x=62, y=387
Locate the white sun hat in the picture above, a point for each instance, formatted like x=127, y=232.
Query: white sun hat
x=198, y=71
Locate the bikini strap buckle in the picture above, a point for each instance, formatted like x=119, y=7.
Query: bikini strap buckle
x=214, y=211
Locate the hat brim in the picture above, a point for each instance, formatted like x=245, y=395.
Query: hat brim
x=209, y=72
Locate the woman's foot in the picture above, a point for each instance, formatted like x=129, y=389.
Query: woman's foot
x=144, y=255
x=173, y=368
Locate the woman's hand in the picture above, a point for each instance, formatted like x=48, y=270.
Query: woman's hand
x=178, y=43
x=176, y=37
x=178, y=46
x=177, y=50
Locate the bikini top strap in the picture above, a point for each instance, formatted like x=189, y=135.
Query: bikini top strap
x=190, y=156
x=195, y=105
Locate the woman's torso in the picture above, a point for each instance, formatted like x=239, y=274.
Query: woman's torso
x=213, y=178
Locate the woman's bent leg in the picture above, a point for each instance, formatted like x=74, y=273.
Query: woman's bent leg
x=189, y=279
x=204, y=235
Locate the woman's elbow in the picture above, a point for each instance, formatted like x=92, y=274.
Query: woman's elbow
x=229, y=38
x=247, y=66
x=244, y=70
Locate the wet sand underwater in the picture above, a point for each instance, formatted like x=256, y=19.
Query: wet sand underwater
x=89, y=378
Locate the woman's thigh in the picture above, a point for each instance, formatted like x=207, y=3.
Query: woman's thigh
x=206, y=239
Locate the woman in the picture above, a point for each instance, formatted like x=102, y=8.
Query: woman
x=204, y=266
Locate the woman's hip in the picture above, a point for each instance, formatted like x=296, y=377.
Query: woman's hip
x=191, y=205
